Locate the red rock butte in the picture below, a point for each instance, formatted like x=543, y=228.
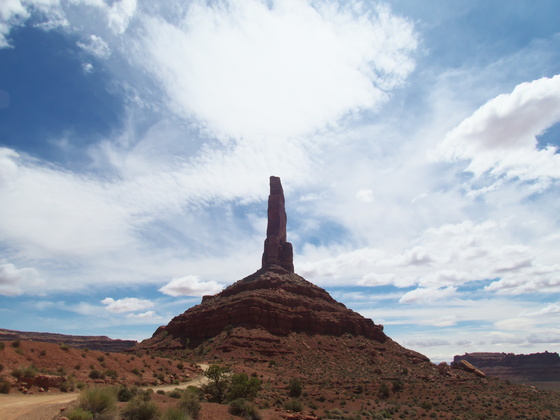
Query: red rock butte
x=274, y=299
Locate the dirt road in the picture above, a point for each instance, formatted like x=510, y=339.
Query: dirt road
x=46, y=406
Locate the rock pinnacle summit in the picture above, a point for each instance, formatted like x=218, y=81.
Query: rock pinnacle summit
x=277, y=251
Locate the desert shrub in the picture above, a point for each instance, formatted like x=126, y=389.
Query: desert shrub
x=293, y=405
x=2, y=345
x=16, y=344
x=124, y=394
x=173, y=413
x=24, y=372
x=64, y=347
x=243, y=408
x=295, y=387
x=95, y=374
x=398, y=385
x=160, y=392
x=68, y=385
x=176, y=393
x=42, y=353
x=111, y=374
x=180, y=366
x=383, y=391
x=136, y=372
x=219, y=382
x=79, y=413
x=190, y=404
x=101, y=358
x=101, y=402
x=139, y=409
x=4, y=387
x=1, y=367
x=242, y=386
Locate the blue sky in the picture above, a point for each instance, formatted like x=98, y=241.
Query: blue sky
x=417, y=143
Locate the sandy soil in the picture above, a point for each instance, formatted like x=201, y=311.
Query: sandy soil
x=46, y=406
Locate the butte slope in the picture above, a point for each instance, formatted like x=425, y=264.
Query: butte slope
x=274, y=299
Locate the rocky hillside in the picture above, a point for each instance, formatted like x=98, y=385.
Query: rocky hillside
x=537, y=367
x=101, y=343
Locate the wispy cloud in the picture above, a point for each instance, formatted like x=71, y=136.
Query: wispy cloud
x=126, y=304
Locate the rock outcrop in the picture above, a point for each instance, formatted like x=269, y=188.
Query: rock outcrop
x=277, y=251
x=274, y=299
x=537, y=367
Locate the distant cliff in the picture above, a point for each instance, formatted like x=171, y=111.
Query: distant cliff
x=536, y=367
x=101, y=343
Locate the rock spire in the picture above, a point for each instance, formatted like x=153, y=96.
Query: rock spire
x=277, y=251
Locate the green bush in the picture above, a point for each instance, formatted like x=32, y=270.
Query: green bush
x=68, y=385
x=383, y=391
x=243, y=408
x=175, y=414
x=219, y=383
x=190, y=404
x=2, y=345
x=102, y=402
x=24, y=372
x=78, y=413
x=111, y=374
x=64, y=347
x=242, y=386
x=139, y=409
x=5, y=387
x=176, y=393
x=95, y=374
x=124, y=394
x=293, y=405
x=295, y=387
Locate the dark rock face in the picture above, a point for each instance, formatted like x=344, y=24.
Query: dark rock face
x=276, y=250
x=535, y=367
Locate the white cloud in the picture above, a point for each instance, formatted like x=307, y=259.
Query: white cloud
x=146, y=316
x=191, y=286
x=425, y=295
x=500, y=138
x=247, y=69
x=51, y=212
x=365, y=196
x=126, y=305
x=96, y=46
x=15, y=281
x=439, y=259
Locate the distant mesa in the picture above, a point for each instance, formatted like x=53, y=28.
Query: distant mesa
x=536, y=367
x=273, y=299
x=101, y=343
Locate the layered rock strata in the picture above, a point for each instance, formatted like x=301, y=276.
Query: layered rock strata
x=277, y=301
